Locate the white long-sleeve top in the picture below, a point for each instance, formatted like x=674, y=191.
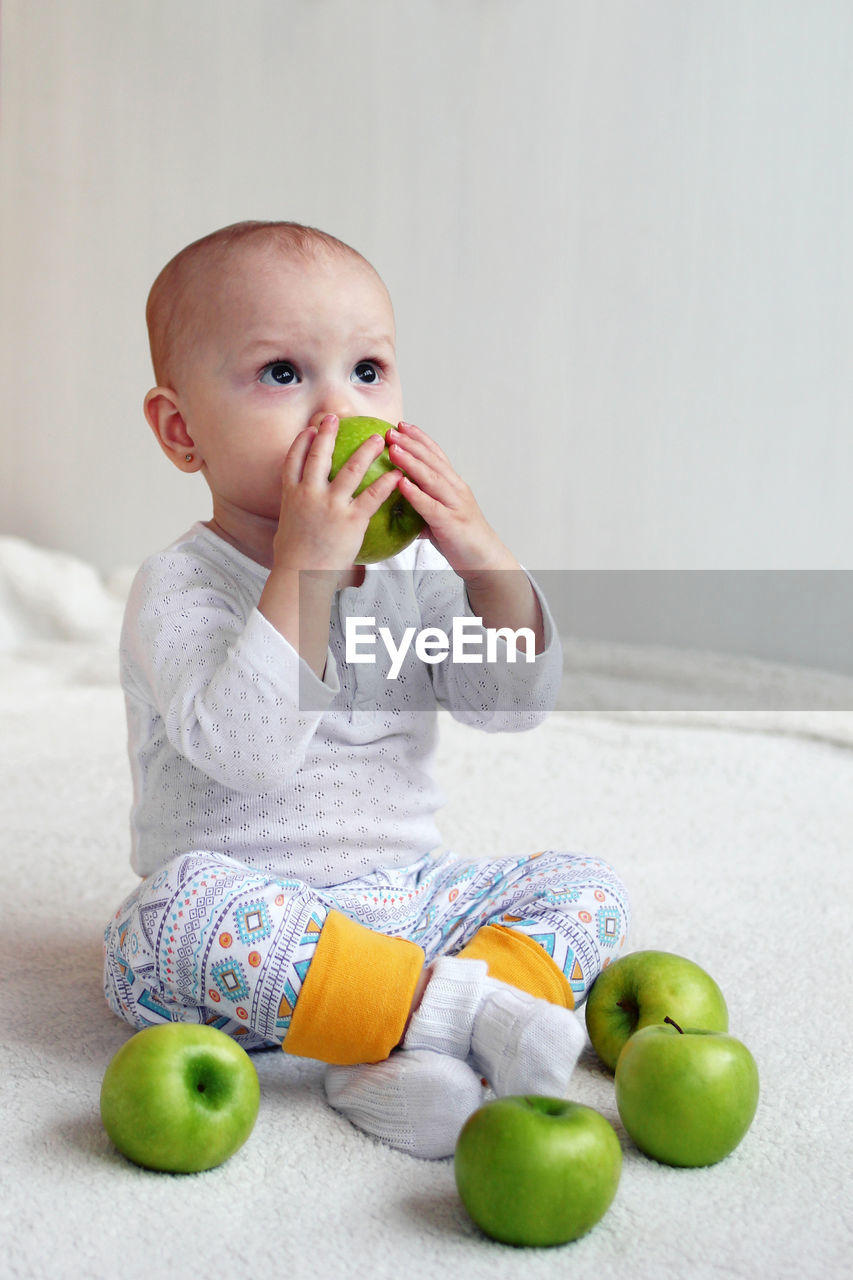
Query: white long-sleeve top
x=236, y=746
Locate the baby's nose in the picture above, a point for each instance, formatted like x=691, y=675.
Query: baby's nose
x=317, y=418
x=339, y=408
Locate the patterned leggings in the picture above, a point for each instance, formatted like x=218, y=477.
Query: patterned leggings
x=208, y=940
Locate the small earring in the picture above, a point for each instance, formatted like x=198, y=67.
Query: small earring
x=188, y=457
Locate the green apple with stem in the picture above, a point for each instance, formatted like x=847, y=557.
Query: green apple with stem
x=644, y=988
x=686, y=1097
x=396, y=523
x=533, y=1170
x=180, y=1097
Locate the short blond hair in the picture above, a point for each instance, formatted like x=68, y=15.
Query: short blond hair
x=172, y=314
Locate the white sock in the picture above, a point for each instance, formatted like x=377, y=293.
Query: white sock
x=519, y=1043
x=524, y=1045
x=444, y=1019
x=416, y=1101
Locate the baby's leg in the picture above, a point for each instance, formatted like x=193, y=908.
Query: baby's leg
x=268, y=961
x=548, y=923
x=535, y=933
x=271, y=963
x=205, y=940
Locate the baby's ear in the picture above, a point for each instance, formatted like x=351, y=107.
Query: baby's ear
x=164, y=417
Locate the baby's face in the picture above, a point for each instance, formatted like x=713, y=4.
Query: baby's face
x=284, y=341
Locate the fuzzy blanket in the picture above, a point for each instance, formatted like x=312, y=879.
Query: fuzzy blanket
x=730, y=821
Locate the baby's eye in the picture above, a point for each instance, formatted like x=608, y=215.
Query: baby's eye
x=366, y=372
x=279, y=374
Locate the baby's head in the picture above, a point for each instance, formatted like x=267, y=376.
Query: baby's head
x=256, y=332
x=191, y=291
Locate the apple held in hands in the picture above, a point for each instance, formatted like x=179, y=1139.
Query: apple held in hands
x=686, y=1097
x=180, y=1097
x=644, y=988
x=396, y=523
x=536, y=1171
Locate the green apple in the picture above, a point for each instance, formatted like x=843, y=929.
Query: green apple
x=686, y=1097
x=535, y=1170
x=180, y=1097
x=396, y=523
x=644, y=988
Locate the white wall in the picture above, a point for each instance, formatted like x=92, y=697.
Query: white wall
x=618, y=235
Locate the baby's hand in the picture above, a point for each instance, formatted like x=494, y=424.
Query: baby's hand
x=321, y=525
x=457, y=526
x=498, y=589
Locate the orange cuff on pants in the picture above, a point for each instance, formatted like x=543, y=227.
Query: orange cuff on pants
x=356, y=996
x=514, y=958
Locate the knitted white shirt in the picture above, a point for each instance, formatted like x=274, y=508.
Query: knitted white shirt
x=237, y=747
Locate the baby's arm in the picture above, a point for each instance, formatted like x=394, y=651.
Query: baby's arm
x=203, y=669
x=498, y=589
x=238, y=692
x=500, y=691
x=321, y=527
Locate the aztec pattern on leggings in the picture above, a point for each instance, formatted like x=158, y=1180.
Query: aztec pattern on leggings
x=573, y=906
x=206, y=940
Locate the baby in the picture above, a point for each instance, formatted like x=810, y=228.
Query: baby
x=294, y=889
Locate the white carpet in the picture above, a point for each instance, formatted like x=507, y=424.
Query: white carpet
x=733, y=830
